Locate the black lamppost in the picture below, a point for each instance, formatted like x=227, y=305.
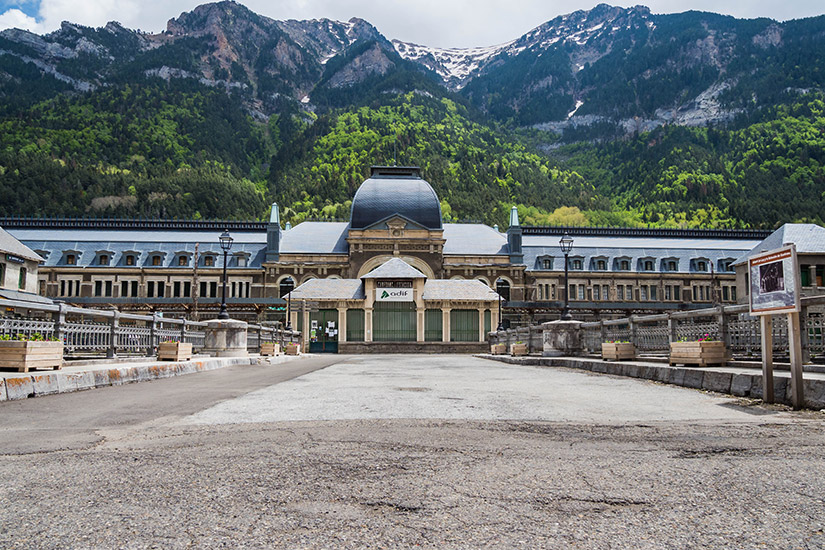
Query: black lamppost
x=566, y=244
x=226, y=244
x=288, y=315
x=500, y=320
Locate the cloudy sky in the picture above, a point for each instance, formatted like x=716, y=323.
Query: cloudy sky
x=443, y=23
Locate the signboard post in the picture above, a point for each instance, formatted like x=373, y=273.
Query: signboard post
x=775, y=290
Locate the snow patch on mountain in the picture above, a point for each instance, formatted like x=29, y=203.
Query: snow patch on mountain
x=454, y=65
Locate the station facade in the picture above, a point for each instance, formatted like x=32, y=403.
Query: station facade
x=331, y=271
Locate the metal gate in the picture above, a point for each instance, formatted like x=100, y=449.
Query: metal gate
x=464, y=325
x=394, y=322
x=323, y=331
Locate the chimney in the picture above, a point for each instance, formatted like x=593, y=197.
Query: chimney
x=514, y=238
x=273, y=235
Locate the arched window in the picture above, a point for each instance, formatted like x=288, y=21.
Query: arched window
x=701, y=266
x=601, y=265
x=183, y=259
x=624, y=265
x=576, y=264
x=503, y=288
x=647, y=265
x=287, y=285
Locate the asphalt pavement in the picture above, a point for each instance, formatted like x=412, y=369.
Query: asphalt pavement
x=408, y=451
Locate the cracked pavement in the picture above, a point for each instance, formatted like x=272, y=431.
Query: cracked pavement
x=408, y=451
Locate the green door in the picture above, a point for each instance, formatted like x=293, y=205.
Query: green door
x=464, y=325
x=393, y=322
x=323, y=331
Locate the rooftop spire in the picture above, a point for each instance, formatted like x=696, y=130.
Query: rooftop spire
x=514, y=217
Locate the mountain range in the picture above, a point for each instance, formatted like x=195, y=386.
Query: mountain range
x=246, y=102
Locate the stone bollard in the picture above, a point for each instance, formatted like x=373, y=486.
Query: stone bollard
x=562, y=338
x=225, y=338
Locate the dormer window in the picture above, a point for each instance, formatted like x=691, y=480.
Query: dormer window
x=103, y=259
x=71, y=259
x=183, y=260
x=701, y=265
x=726, y=265
x=156, y=260
x=547, y=263
x=576, y=264
x=209, y=261
x=671, y=265
x=624, y=265
x=601, y=265
x=130, y=259
x=647, y=265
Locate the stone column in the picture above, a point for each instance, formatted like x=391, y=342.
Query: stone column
x=562, y=338
x=419, y=325
x=225, y=338
x=368, y=324
x=482, y=336
x=812, y=275
x=342, y=324
x=445, y=324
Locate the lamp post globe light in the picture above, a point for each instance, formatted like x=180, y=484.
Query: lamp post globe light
x=226, y=245
x=566, y=245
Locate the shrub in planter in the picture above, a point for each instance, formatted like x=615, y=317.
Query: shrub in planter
x=30, y=352
x=702, y=352
x=174, y=351
x=617, y=351
x=293, y=349
x=498, y=349
x=270, y=348
x=519, y=348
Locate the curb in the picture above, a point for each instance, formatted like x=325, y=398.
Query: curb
x=36, y=384
x=740, y=385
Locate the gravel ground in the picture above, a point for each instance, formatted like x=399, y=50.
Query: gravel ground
x=399, y=483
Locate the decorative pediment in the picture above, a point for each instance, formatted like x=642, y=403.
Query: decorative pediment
x=396, y=225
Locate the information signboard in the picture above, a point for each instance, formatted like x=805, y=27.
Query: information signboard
x=393, y=295
x=774, y=282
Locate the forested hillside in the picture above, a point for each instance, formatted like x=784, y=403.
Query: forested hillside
x=613, y=116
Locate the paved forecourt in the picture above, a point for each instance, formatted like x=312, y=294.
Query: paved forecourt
x=461, y=387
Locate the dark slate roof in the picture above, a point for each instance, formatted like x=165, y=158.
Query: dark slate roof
x=315, y=238
x=808, y=238
x=473, y=239
x=395, y=190
x=458, y=289
x=330, y=289
x=10, y=245
x=89, y=241
x=395, y=268
x=24, y=296
x=634, y=248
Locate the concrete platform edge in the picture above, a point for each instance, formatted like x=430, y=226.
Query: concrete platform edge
x=39, y=383
x=736, y=384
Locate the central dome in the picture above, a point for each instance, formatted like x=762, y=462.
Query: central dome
x=395, y=190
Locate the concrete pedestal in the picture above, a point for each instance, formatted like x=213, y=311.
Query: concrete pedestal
x=562, y=338
x=225, y=338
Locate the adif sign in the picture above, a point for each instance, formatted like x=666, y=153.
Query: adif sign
x=393, y=295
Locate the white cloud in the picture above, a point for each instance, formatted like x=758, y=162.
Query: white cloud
x=16, y=19
x=443, y=23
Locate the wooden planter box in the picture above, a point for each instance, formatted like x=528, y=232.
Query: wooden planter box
x=174, y=351
x=698, y=353
x=618, y=351
x=293, y=349
x=498, y=349
x=30, y=354
x=270, y=348
x=518, y=349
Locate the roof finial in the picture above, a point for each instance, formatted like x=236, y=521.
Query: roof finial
x=514, y=217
